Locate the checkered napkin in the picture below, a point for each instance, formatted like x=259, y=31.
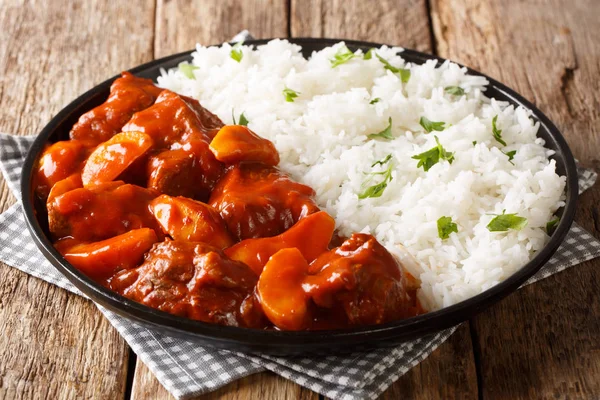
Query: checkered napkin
x=187, y=370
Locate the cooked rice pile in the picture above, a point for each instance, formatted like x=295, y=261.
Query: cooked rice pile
x=322, y=136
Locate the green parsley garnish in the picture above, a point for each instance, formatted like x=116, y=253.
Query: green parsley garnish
x=432, y=156
x=504, y=222
x=497, y=132
x=188, y=69
x=551, y=225
x=384, y=134
x=510, y=155
x=404, y=73
x=375, y=100
x=377, y=189
x=446, y=227
x=236, y=51
x=342, y=56
x=431, y=125
x=369, y=54
x=290, y=94
x=454, y=90
x=474, y=142
x=381, y=162
x=243, y=120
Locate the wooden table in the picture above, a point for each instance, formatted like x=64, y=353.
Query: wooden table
x=541, y=342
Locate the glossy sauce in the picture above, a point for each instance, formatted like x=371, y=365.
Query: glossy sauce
x=260, y=201
x=156, y=199
x=128, y=95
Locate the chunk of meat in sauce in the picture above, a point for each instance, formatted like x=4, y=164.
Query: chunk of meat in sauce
x=358, y=283
x=193, y=280
x=190, y=220
x=58, y=161
x=175, y=119
x=210, y=122
x=112, y=157
x=364, y=279
x=101, y=211
x=100, y=260
x=187, y=171
x=237, y=143
x=259, y=201
x=311, y=236
x=128, y=94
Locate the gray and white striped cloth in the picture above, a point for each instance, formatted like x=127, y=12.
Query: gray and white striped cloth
x=186, y=369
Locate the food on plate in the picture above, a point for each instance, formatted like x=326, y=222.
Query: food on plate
x=101, y=211
x=346, y=190
x=311, y=236
x=57, y=162
x=236, y=143
x=128, y=95
x=190, y=220
x=184, y=214
x=111, y=158
x=100, y=260
x=181, y=131
x=193, y=280
x=256, y=200
x=391, y=148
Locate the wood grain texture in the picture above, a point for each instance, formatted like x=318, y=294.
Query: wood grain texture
x=448, y=373
x=541, y=342
x=180, y=24
x=55, y=344
x=400, y=22
x=264, y=385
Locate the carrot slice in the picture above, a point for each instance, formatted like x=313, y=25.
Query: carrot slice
x=311, y=236
x=236, y=143
x=280, y=290
x=99, y=260
x=113, y=157
x=190, y=220
x=63, y=186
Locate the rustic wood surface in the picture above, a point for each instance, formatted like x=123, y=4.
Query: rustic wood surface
x=541, y=342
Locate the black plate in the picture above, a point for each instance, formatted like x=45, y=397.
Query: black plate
x=291, y=342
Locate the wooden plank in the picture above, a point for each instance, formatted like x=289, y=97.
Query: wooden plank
x=55, y=344
x=400, y=22
x=450, y=371
x=541, y=342
x=182, y=24
x=264, y=385
x=179, y=26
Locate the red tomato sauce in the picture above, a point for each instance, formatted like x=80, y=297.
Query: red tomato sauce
x=155, y=198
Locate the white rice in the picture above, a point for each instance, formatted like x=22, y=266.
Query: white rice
x=322, y=140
